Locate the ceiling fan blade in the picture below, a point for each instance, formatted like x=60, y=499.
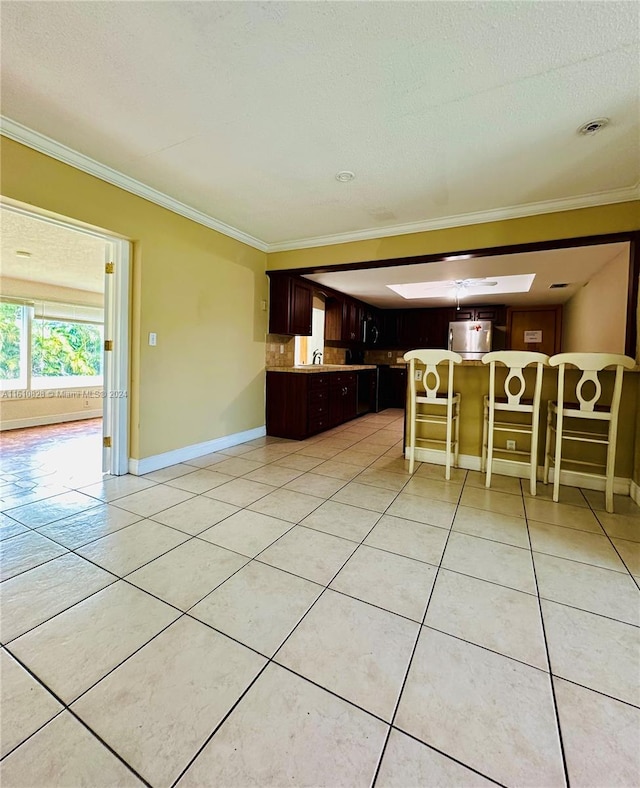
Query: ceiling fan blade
x=478, y=283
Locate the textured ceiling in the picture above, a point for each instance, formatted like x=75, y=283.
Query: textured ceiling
x=575, y=267
x=59, y=256
x=246, y=110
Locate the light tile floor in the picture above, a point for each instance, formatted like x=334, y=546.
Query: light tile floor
x=307, y=613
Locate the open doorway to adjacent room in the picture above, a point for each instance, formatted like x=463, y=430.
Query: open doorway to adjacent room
x=63, y=351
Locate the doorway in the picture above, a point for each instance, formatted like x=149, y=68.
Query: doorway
x=64, y=297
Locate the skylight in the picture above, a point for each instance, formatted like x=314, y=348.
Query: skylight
x=489, y=285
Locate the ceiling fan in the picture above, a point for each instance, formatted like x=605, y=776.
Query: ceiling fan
x=461, y=285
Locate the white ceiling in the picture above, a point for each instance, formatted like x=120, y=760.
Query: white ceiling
x=59, y=256
x=575, y=266
x=246, y=110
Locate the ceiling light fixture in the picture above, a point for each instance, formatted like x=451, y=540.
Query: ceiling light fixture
x=23, y=253
x=593, y=126
x=344, y=176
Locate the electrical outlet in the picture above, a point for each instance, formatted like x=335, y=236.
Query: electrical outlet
x=511, y=445
x=418, y=374
x=153, y=338
x=389, y=354
x=281, y=348
x=86, y=403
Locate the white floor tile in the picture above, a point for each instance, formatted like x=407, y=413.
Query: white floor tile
x=75, y=649
x=160, y=706
x=287, y=731
x=259, y=606
x=353, y=649
x=490, y=712
x=35, y=596
x=65, y=753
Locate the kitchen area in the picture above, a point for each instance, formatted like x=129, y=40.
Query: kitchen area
x=541, y=301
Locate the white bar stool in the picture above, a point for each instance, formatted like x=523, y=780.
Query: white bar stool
x=433, y=397
x=590, y=364
x=512, y=401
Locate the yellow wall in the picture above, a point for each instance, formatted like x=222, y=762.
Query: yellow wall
x=199, y=290
x=621, y=217
x=594, y=320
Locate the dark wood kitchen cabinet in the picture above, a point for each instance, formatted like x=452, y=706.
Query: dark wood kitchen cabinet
x=303, y=404
x=344, y=321
x=343, y=397
x=423, y=328
x=290, y=305
x=494, y=312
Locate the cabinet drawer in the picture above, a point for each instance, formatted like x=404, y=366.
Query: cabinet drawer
x=318, y=395
x=318, y=424
x=318, y=382
x=318, y=409
x=343, y=379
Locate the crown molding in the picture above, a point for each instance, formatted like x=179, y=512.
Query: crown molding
x=33, y=139
x=43, y=144
x=481, y=217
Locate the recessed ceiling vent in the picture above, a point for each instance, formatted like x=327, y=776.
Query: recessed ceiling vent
x=558, y=285
x=593, y=126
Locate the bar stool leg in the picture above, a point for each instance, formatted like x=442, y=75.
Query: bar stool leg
x=492, y=418
x=547, y=445
x=533, y=468
x=447, y=474
x=483, y=459
x=610, y=470
x=457, y=454
x=412, y=434
x=558, y=456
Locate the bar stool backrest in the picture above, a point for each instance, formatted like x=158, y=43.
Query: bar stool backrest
x=515, y=361
x=591, y=364
x=431, y=379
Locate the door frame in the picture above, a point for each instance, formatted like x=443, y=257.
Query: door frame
x=118, y=395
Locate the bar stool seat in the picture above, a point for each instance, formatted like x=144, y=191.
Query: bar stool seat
x=431, y=398
x=513, y=401
x=585, y=409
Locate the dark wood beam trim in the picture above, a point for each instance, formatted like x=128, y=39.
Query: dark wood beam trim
x=535, y=246
x=631, y=337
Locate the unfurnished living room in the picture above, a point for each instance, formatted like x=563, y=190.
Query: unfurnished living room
x=320, y=394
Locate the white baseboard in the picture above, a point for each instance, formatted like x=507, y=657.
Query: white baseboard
x=157, y=461
x=501, y=467
x=41, y=421
x=634, y=492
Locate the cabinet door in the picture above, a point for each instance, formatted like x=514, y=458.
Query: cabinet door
x=301, y=307
x=547, y=320
x=279, y=306
x=465, y=313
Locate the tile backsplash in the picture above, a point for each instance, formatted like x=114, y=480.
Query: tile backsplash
x=273, y=356
x=383, y=356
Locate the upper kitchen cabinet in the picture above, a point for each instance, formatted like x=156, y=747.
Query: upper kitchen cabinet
x=493, y=312
x=290, y=305
x=422, y=328
x=344, y=319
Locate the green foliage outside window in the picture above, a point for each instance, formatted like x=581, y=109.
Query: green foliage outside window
x=10, y=328
x=61, y=349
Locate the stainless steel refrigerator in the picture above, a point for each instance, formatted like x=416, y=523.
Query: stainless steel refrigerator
x=470, y=338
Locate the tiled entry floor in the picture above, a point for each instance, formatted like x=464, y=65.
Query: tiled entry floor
x=308, y=614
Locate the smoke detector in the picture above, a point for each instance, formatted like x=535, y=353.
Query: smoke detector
x=593, y=126
x=344, y=176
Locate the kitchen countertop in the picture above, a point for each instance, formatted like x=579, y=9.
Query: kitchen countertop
x=315, y=368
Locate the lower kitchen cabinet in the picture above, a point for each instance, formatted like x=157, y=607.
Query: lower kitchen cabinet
x=303, y=404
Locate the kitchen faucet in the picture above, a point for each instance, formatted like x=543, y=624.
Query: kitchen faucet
x=317, y=357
